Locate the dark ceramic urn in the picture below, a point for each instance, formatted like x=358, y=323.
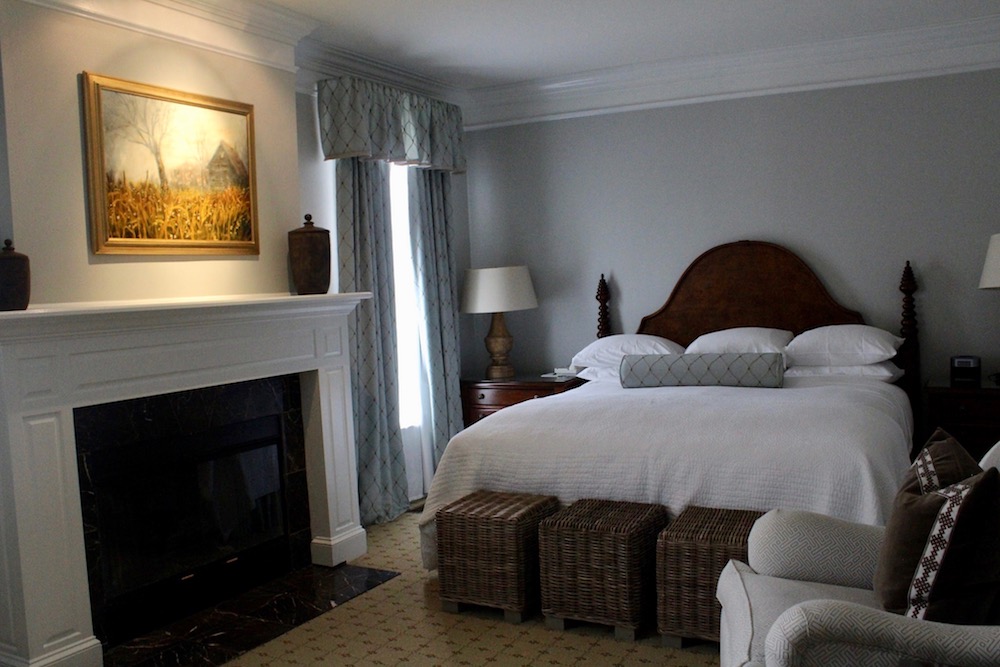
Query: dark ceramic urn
x=309, y=255
x=15, y=278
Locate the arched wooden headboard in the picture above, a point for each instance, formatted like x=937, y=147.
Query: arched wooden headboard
x=762, y=284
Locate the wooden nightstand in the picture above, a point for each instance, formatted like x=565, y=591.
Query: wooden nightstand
x=484, y=397
x=971, y=415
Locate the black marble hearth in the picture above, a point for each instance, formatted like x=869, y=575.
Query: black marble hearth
x=223, y=632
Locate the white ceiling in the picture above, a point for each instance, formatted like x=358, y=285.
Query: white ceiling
x=470, y=44
x=511, y=61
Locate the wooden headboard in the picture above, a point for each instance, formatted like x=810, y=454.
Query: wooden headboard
x=761, y=284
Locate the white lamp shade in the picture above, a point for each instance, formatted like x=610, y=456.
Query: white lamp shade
x=991, y=268
x=498, y=290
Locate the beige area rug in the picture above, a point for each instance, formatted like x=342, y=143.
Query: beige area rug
x=401, y=623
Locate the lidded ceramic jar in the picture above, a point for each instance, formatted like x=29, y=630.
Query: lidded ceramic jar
x=15, y=278
x=309, y=256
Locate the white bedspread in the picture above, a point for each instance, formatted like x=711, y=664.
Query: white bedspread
x=829, y=445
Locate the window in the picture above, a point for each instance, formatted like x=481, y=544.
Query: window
x=407, y=328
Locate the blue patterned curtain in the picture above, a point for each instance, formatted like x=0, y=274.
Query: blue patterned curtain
x=363, y=124
x=359, y=118
x=437, y=291
x=364, y=251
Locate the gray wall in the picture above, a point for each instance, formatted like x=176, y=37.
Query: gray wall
x=856, y=180
x=6, y=223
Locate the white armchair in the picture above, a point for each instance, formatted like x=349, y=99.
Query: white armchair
x=805, y=598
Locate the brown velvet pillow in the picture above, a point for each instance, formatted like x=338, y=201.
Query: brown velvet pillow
x=940, y=557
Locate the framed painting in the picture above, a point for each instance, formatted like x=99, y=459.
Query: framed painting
x=168, y=173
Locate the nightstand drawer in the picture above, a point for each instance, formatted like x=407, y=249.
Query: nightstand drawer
x=484, y=397
x=502, y=397
x=972, y=416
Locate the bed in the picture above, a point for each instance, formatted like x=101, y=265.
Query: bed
x=833, y=443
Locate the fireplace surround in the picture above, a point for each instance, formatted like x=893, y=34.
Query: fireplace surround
x=55, y=358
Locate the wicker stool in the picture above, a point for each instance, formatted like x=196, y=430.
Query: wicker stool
x=597, y=560
x=690, y=555
x=488, y=551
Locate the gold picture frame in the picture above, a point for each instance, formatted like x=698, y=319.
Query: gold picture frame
x=168, y=172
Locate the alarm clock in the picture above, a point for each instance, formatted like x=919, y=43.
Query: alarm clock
x=965, y=371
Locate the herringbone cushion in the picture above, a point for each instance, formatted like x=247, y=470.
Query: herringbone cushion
x=733, y=369
x=835, y=633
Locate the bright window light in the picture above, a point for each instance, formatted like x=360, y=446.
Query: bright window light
x=407, y=317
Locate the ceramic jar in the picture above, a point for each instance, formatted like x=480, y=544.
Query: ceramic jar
x=15, y=278
x=309, y=256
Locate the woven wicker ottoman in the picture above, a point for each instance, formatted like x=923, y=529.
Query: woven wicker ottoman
x=487, y=547
x=598, y=563
x=690, y=555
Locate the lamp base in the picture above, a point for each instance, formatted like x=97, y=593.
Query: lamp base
x=499, y=372
x=499, y=343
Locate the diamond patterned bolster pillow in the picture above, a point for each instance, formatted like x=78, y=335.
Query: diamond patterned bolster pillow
x=730, y=369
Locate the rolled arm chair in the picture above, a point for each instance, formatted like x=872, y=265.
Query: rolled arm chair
x=805, y=598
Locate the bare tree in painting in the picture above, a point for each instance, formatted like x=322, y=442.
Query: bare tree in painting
x=141, y=120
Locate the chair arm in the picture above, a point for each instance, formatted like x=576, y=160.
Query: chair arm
x=835, y=633
x=794, y=544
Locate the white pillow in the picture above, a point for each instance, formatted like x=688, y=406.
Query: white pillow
x=741, y=339
x=608, y=351
x=991, y=459
x=884, y=370
x=842, y=345
x=599, y=374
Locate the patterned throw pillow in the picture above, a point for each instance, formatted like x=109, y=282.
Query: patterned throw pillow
x=940, y=557
x=731, y=369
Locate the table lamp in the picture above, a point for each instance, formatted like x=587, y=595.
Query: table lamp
x=991, y=267
x=498, y=290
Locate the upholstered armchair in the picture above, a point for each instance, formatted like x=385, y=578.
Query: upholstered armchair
x=805, y=598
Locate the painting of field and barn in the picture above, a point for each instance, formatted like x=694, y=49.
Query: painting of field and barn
x=176, y=171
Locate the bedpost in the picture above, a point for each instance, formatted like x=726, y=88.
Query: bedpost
x=603, y=318
x=909, y=354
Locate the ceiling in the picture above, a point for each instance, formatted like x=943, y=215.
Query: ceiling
x=471, y=44
x=515, y=61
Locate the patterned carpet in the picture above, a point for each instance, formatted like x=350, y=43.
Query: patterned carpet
x=400, y=623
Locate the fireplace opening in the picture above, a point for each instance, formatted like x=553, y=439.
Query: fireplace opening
x=187, y=501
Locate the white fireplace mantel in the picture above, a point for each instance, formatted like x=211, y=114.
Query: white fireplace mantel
x=56, y=357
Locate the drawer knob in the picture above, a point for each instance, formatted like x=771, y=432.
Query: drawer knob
x=482, y=396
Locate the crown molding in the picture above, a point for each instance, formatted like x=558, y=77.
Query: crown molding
x=318, y=60
x=265, y=34
x=244, y=29
x=907, y=54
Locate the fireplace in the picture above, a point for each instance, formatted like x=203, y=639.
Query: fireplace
x=58, y=358
x=189, y=498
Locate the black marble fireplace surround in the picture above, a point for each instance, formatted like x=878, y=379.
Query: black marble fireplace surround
x=190, y=498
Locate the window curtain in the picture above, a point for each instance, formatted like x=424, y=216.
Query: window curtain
x=437, y=290
x=364, y=251
x=363, y=124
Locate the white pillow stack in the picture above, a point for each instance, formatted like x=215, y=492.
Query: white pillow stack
x=844, y=349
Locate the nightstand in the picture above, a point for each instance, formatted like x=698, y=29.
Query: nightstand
x=971, y=415
x=484, y=397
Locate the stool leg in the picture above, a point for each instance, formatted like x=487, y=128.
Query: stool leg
x=555, y=623
x=624, y=634
x=515, y=617
x=672, y=641
x=449, y=606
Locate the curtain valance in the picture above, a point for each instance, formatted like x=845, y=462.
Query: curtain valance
x=369, y=120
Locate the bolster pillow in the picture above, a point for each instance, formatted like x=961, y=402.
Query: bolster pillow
x=730, y=369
